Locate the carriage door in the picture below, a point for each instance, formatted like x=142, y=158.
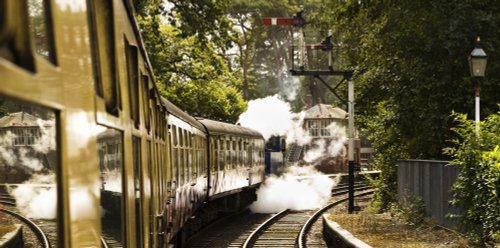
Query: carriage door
x=151, y=201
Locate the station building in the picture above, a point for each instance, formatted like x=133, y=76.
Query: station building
x=327, y=125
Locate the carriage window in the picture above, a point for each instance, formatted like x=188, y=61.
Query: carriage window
x=181, y=138
x=175, y=164
x=102, y=41
x=163, y=125
x=136, y=153
x=145, y=101
x=29, y=165
x=192, y=154
x=181, y=166
x=40, y=25
x=174, y=134
x=109, y=143
x=133, y=81
x=15, y=44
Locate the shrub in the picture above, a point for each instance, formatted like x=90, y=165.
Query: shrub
x=477, y=187
x=411, y=210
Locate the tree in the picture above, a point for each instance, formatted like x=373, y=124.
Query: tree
x=189, y=70
x=261, y=50
x=416, y=68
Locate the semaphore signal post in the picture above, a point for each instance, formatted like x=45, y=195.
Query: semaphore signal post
x=303, y=67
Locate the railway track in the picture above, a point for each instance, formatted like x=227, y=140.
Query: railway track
x=291, y=228
x=47, y=227
x=36, y=227
x=279, y=231
x=43, y=241
x=302, y=239
x=265, y=230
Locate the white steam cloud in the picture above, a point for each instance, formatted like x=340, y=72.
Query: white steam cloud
x=82, y=197
x=47, y=140
x=112, y=180
x=334, y=147
x=37, y=198
x=290, y=86
x=29, y=161
x=299, y=188
x=269, y=115
x=297, y=134
x=273, y=116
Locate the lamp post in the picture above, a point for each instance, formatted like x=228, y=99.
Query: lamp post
x=477, y=66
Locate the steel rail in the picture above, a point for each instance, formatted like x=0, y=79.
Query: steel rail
x=38, y=232
x=347, y=191
x=103, y=242
x=254, y=235
x=301, y=238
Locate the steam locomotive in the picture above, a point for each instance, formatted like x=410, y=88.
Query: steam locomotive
x=130, y=169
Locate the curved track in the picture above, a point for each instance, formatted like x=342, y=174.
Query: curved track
x=302, y=238
x=279, y=231
x=44, y=241
x=249, y=229
x=287, y=228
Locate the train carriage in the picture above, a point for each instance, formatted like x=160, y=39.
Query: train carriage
x=235, y=159
x=187, y=183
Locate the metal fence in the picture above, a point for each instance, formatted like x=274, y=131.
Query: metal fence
x=431, y=181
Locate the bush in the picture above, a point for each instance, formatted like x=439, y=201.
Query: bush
x=411, y=210
x=478, y=184
x=388, y=148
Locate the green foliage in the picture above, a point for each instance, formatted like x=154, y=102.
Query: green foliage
x=413, y=55
x=411, y=210
x=388, y=148
x=190, y=72
x=262, y=50
x=477, y=187
x=205, y=19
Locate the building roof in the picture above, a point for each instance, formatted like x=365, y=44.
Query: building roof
x=325, y=111
x=19, y=119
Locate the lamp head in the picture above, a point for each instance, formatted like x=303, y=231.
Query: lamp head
x=478, y=60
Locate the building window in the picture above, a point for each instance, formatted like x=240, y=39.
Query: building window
x=324, y=127
x=312, y=126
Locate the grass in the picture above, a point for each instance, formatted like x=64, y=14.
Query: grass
x=382, y=230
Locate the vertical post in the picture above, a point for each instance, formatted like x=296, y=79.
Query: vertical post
x=330, y=52
x=351, y=144
x=477, y=92
x=301, y=49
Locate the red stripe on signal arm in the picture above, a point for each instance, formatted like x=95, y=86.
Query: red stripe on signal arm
x=277, y=21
